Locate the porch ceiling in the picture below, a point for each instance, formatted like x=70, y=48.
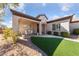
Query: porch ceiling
x=27, y=20
x=24, y=21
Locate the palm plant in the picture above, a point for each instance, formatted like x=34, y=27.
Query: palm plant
x=10, y=6
x=7, y=32
x=2, y=6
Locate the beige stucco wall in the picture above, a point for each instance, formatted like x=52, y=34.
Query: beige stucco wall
x=43, y=19
x=24, y=22
x=74, y=26
x=15, y=23
x=18, y=24
x=64, y=26
x=43, y=22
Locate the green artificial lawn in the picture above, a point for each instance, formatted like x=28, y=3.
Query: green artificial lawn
x=57, y=46
x=67, y=48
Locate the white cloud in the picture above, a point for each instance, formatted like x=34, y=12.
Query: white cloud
x=21, y=8
x=1, y=11
x=44, y=4
x=9, y=24
x=65, y=7
x=76, y=18
x=10, y=21
x=4, y=23
x=55, y=17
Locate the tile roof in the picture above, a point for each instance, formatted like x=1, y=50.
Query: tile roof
x=23, y=15
x=42, y=15
x=36, y=19
x=61, y=19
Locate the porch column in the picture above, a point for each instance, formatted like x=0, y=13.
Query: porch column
x=40, y=28
x=45, y=28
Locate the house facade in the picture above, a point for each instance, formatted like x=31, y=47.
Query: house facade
x=60, y=25
x=74, y=25
x=26, y=24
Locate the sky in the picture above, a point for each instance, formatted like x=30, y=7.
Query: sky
x=51, y=10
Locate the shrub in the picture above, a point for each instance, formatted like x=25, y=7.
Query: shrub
x=49, y=32
x=6, y=33
x=76, y=31
x=65, y=34
x=14, y=36
x=19, y=34
x=55, y=33
x=10, y=33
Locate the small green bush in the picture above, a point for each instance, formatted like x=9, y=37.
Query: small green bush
x=76, y=31
x=56, y=33
x=65, y=34
x=49, y=32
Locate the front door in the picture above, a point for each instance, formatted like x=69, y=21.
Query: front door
x=38, y=28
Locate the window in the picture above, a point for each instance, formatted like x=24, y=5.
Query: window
x=58, y=26
x=55, y=26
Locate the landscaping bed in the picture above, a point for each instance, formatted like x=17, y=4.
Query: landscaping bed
x=23, y=47
x=54, y=46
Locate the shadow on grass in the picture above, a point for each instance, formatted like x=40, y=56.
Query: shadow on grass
x=28, y=43
x=47, y=44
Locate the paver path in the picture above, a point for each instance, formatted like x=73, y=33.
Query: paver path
x=24, y=47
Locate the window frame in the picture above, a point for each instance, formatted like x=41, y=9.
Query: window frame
x=56, y=26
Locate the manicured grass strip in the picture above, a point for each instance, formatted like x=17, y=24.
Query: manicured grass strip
x=67, y=48
x=48, y=45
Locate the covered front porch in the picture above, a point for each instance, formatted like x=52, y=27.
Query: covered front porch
x=28, y=26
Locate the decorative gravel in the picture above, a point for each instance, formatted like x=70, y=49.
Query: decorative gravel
x=23, y=47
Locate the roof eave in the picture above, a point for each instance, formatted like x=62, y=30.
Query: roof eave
x=23, y=15
x=60, y=19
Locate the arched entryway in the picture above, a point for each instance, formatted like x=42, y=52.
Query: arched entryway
x=41, y=28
